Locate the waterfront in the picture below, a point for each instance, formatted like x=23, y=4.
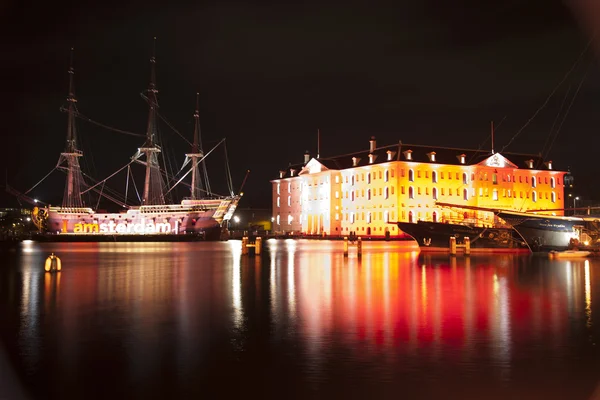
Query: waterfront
x=184, y=320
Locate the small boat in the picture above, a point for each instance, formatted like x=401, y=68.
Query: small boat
x=569, y=254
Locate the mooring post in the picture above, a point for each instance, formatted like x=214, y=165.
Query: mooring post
x=245, y=245
x=345, y=246
x=359, y=247
x=452, y=246
x=258, y=246
x=467, y=246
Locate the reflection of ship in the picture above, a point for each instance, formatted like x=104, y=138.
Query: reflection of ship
x=203, y=214
x=435, y=236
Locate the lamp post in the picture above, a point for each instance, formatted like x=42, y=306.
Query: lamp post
x=575, y=204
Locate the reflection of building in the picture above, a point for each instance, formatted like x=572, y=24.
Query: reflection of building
x=364, y=192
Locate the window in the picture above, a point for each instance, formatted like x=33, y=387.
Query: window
x=289, y=201
x=386, y=216
x=495, y=194
x=368, y=178
x=411, y=192
x=278, y=202
x=368, y=218
x=534, y=196
x=289, y=187
x=337, y=216
x=553, y=197
x=290, y=219
x=351, y=217
x=352, y=195
x=442, y=175
x=352, y=182
x=434, y=216
x=278, y=188
x=368, y=194
x=337, y=179
x=392, y=190
x=434, y=177
x=457, y=176
x=480, y=192
x=495, y=179
x=410, y=216
x=411, y=175
x=337, y=194
x=552, y=182
x=278, y=220
x=465, y=194
x=533, y=181
x=435, y=193
x=387, y=175
x=387, y=192
x=402, y=189
x=392, y=173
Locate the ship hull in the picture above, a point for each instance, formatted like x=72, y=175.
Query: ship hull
x=191, y=220
x=435, y=237
x=542, y=232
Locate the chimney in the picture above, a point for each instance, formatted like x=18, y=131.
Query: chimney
x=306, y=157
x=372, y=144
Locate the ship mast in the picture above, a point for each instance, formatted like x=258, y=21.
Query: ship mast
x=153, y=185
x=195, y=155
x=72, y=196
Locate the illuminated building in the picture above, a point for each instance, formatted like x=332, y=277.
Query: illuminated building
x=367, y=191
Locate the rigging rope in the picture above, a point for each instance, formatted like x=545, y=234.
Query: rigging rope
x=172, y=128
x=229, y=180
x=135, y=187
x=83, y=117
x=41, y=180
x=551, y=94
x=569, y=108
x=105, y=179
x=186, y=174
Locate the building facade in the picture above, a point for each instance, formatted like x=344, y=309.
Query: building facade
x=368, y=192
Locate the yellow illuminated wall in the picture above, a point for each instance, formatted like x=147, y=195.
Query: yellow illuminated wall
x=369, y=198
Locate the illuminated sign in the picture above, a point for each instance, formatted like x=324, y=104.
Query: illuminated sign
x=112, y=227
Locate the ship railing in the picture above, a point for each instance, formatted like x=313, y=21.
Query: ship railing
x=72, y=210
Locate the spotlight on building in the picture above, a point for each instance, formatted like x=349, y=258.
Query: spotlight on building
x=236, y=219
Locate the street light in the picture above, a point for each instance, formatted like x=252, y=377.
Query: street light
x=236, y=219
x=575, y=203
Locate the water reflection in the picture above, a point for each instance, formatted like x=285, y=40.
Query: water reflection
x=171, y=319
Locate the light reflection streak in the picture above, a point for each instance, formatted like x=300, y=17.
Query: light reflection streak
x=588, y=295
x=569, y=282
x=501, y=329
x=236, y=284
x=29, y=332
x=291, y=294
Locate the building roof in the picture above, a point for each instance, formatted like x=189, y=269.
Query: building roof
x=422, y=154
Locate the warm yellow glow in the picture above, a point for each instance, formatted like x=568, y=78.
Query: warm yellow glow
x=588, y=294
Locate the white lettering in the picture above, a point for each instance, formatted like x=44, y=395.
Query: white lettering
x=141, y=227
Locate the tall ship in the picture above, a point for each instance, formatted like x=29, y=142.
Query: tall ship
x=202, y=215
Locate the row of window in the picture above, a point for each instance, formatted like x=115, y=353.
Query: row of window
x=435, y=193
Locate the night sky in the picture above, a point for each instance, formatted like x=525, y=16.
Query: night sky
x=269, y=74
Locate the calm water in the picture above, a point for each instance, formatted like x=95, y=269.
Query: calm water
x=199, y=320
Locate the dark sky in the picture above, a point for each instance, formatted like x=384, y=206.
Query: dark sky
x=270, y=73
